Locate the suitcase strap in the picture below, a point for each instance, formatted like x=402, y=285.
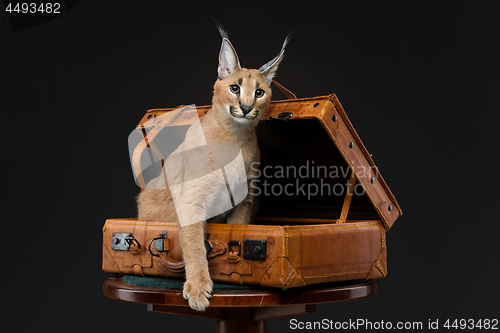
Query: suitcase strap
x=348, y=198
x=288, y=93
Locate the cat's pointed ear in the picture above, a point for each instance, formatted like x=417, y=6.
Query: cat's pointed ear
x=269, y=69
x=228, y=59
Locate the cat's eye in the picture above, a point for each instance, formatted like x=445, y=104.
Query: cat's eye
x=234, y=88
x=259, y=93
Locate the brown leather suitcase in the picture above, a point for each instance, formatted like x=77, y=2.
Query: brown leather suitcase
x=323, y=214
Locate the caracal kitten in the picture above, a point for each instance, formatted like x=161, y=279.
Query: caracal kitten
x=241, y=97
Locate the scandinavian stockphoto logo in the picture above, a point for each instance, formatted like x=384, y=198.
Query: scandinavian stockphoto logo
x=308, y=180
x=172, y=149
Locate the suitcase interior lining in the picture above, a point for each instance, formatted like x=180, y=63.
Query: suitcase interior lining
x=301, y=155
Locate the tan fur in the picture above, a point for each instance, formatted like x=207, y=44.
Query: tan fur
x=218, y=125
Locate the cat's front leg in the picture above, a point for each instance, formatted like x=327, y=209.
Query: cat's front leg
x=244, y=213
x=198, y=285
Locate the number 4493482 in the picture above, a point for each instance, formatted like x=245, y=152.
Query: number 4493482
x=462, y=324
x=32, y=8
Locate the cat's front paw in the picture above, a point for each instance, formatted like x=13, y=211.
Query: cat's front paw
x=198, y=293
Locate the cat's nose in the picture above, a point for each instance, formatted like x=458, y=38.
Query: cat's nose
x=245, y=109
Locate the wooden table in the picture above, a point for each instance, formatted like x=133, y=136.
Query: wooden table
x=241, y=310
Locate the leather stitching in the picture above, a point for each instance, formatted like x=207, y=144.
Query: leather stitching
x=231, y=271
x=270, y=268
x=335, y=226
x=346, y=156
x=336, y=274
x=111, y=258
x=378, y=264
x=139, y=223
x=289, y=279
x=222, y=251
x=381, y=268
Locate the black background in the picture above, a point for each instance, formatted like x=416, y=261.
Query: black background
x=418, y=79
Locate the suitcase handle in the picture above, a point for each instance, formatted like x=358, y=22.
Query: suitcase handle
x=162, y=254
x=172, y=265
x=216, y=248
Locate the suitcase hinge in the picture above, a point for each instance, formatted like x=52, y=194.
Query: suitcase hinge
x=283, y=116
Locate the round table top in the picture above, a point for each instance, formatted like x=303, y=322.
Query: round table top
x=115, y=287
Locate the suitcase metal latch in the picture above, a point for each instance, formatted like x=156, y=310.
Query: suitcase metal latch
x=123, y=240
x=255, y=249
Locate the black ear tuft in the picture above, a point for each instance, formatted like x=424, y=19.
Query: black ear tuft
x=222, y=31
x=270, y=68
x=268, y=65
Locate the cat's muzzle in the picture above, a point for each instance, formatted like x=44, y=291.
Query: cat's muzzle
x=244, y=112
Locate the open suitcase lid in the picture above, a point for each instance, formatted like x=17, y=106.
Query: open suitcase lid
x=329, y=112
